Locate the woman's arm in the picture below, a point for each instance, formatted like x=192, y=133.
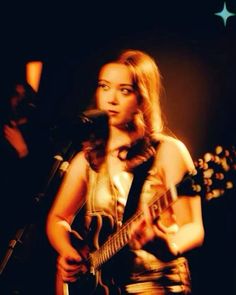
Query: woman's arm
x=186, y=210
x=70, y=197
x=186, y=231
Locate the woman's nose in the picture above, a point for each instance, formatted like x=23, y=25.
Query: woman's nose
x=112, y=98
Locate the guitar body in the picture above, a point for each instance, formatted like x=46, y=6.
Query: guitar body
x=97, y=282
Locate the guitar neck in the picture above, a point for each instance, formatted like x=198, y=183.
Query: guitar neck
x=121, y=238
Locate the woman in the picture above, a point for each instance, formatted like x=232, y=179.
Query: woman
x=99, y=179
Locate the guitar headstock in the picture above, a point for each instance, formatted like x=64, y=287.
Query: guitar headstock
x=215, y=173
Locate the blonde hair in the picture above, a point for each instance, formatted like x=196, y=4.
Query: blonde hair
x=147, y=81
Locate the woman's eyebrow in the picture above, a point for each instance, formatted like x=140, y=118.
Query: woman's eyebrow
x=126, y=84
x=121, y=84
x=103, y=80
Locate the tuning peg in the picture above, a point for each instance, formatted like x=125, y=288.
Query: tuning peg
x=197, y=188
x=199, y=163
x=225, y=164
x=202, y=164
x=217, y=159
x=219, y=149
x=214, y=194
x=208, y=157
x=208, y=181
x=229, y=185
x=208, y=173
x=219, y=176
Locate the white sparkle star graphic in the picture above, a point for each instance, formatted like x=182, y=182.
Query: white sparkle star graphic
x=225, y=14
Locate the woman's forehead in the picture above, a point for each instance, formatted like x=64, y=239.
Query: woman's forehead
x=115, y=71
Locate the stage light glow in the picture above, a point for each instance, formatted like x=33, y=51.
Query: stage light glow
x=33, y=73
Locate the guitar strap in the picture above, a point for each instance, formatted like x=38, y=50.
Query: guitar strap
x=140, y=174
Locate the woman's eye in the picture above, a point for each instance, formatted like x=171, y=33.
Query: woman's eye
x=126, y=91
x=103, y=86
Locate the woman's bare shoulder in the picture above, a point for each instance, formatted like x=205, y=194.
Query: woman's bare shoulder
x=174, y=148
x=167, y=141
x=78, y=164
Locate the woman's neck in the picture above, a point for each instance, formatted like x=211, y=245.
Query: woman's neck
x=120, y=137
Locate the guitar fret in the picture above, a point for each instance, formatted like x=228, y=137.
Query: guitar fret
x=116, y=243
x=103, y=258
x=159, y=206
x=168, y=197
x=124, y=237
x=163, y=202
x=108, y=252
x=121, y=239
x=93, y=260
x=97, y=264
x=106, y=255
x=96, y=260
x=113, y=247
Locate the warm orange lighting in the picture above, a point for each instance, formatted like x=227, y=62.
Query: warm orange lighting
x=33, y=73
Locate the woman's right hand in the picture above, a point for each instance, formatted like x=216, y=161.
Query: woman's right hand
x=70, y=265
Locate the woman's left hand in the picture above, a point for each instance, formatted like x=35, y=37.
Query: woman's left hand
x=149, y=234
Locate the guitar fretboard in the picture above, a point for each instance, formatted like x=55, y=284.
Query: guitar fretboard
x=122, y=237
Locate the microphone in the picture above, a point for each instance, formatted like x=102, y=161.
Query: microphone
x=90, y=124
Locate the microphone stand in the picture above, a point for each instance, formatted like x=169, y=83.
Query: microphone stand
x=11, y=246
x=58, y=168
x=86, y=123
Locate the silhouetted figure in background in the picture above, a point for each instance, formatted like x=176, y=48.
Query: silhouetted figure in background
x=25, y=159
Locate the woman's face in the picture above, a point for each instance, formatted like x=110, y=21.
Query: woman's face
x=115, y=94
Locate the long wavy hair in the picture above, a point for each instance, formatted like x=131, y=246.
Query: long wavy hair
x=147, y=83
x=148, y=122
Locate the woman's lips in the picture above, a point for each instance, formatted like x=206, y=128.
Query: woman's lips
x=112, y=113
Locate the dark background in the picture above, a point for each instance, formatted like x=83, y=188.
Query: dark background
x=196, y=54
